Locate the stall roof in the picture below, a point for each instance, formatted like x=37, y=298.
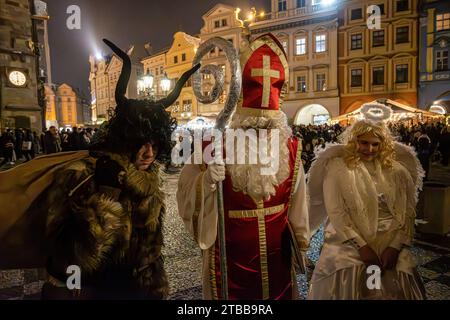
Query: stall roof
x=396, y=107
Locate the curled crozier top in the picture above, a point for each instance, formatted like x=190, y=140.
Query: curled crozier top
x=219, y=78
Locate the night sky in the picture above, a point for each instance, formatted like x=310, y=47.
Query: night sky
x=125, y=23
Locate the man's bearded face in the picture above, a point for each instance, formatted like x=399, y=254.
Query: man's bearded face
x=247, y=178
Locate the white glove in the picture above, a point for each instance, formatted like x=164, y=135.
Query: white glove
x=215, y=173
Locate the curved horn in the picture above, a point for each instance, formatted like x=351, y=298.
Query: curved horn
x=122, y=83
x=173, y=96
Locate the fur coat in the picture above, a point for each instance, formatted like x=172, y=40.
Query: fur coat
x=117, y=245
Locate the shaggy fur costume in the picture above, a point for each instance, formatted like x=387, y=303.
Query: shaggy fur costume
x=117, y=245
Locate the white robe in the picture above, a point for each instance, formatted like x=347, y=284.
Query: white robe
x=378, y=210
x=198, y=201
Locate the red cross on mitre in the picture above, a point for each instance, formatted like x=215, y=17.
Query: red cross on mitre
x=264, y=73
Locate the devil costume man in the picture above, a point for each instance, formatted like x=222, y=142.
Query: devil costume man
x=96, y=210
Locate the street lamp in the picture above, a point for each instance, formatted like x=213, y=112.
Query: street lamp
x=165, y=83
x=145, y=85
x=148, y=81
x=245, y=24
x=140, y=86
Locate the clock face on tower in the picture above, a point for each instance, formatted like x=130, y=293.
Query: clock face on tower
x=17, y=78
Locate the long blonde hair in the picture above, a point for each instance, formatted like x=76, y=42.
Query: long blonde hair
x=386, y=154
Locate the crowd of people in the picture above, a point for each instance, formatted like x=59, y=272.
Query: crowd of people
x=24, y=144
x=430, y=140
x=315, y=136
x=103, y=211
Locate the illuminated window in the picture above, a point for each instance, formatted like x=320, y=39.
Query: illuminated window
x=320, y=81
x=301, y=84
x=442, y=60
x=443, y=21
x=321, y=43
x=300, y=46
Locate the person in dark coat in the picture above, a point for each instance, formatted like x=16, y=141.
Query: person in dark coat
x=74, y=139
x=52, y=141
x=7, y=143
x=444, y=145
x=423, y=147
x=28, y=145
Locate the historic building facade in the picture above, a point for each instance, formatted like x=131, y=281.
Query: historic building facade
x=337, y=59
x=103, y=77
x=154, y=66
x=309, y=35
x=220, y=21
x=51, y=118
x=178, y=60
x=376, y=63
x=41, y=19
x=434, y=80
x=66, y=107
x=308, y=32
x=19, y=66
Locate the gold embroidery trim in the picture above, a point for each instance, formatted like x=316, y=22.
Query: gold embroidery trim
x=302, y=244
x=252, y=112
x=267, y=75
x=266, y=40
x=263, y=257
x=198, y=201
x=298, y=159
x=260, y=213
x=245, y=56
x=239, y=214
x=212, y=272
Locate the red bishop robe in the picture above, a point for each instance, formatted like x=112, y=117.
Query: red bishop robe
x=257, y=242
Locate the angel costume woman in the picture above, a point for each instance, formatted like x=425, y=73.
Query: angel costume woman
x=368, y=188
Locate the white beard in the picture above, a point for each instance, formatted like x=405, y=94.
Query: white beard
x=247, y=178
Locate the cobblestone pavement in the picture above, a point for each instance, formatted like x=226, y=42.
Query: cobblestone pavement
x=183, y=263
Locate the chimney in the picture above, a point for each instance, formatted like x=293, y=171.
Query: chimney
x=148, y=48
